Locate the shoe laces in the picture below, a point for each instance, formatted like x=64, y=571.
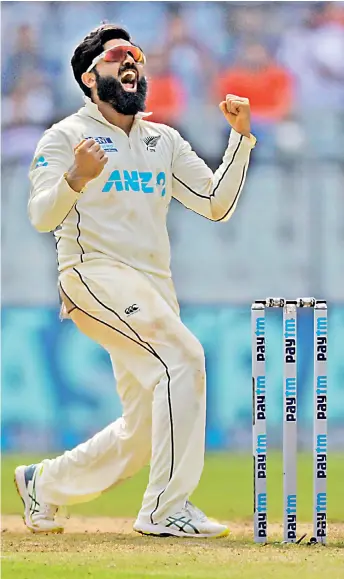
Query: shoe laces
x=53, y=513
x=194, y=511
x=46, y=511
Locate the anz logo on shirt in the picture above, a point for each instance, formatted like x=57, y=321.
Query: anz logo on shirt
x=144, y=181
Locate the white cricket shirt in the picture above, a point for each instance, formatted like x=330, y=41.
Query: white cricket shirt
x=122, y=213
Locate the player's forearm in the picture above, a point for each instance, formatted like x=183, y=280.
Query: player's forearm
x=49, y=207
x=228, y=180
x=75, y=181
x=213, y=196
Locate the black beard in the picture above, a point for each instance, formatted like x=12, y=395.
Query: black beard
x=111, y=91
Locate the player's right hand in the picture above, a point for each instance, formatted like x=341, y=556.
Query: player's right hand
x=89, y=161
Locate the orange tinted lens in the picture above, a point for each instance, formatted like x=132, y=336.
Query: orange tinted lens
x=119, y=53
x=137, y=54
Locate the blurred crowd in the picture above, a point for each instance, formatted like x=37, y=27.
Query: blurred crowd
x=287, y=57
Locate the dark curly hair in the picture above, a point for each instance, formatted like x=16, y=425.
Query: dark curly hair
x=92, y=46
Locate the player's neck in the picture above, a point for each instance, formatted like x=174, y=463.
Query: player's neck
x=123, y=122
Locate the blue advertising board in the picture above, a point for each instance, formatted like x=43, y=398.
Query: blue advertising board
x=58, y=388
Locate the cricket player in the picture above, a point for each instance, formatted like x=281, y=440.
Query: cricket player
x=102, y=181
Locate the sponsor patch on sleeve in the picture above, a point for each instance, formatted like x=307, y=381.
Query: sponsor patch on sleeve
x=40, y=162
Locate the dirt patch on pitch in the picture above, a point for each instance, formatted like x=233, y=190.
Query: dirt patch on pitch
x=76, y=524
x=99, y=525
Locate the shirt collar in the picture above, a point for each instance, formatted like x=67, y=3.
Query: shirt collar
x=92, y=109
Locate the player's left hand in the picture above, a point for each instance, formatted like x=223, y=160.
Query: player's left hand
x=237, y=112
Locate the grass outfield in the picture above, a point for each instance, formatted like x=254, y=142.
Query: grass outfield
x=225, y=492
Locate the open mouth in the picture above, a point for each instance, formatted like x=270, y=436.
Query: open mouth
x=128, y=80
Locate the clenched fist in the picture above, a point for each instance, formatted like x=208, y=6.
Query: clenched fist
x=237, y=112
x=89, y=162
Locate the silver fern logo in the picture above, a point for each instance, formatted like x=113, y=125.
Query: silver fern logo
x=151, y=143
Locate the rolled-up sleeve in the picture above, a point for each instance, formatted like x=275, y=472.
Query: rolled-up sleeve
x=51, y=198
x=213, y=195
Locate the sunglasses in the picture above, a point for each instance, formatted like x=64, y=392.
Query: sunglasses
x=118, y=54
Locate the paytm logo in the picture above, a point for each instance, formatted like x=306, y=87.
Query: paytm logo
x=322, y=326
x=321, y=385
x=139, y=181
x=290, y=399
x=260, y=342
x=260, y=327
x=321, y=456
x=291, y=504
x=321, y=446
x=290, y=387
x=321, y=516
x=321, y=502
x=290, y=341
x=261, y=503
x=321, y=398
x=261, y=508
x=260, y=398
x=290, y=328
x=261, y=444
x=321, y=335
x=260, y=387
x=291, y=517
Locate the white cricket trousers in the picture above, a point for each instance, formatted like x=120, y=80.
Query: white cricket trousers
x=160, y=371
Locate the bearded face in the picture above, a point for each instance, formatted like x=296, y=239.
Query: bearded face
x=127, y=93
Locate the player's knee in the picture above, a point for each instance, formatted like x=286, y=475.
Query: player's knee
x=137, y=440
x=195, y=365
x=138, y=427
x=195, y=354
x=143, y=444
x=138, y=453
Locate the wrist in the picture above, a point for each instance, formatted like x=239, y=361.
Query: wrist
x=246, y=134
x=75, y=182
x=251, y=139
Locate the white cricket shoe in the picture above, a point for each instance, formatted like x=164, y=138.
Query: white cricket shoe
x=39, y=517
x=189, y=522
